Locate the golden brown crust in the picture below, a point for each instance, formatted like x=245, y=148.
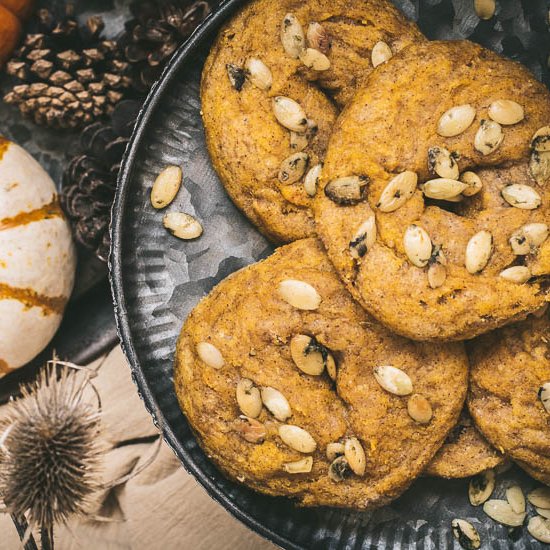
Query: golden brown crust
x=246, y=143
x=245, y=318
x=387, y=129
x=508, y=368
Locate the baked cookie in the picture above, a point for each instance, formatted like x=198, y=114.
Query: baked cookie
x=283, y=343
x=302, y=60
x=509, y=397
x=435, y=214
x=465, y=452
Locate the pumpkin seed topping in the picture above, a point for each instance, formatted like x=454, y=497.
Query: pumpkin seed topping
x=289, y=114
x=302, y=466
x=544, y=396
x=251, y=430
x=443, y=188
x=166, y=187
x=485, y=9
x=381, y=53
x=348, y=190
x=339, y=469
x=259, y=73
x=393, y=380
x=541, y=140
x=502, y=512
x=318, y=37
x=210, y=355
x=309, y=355
x=456, y=120
x=298, y=142
x=516, y=499
x=398, y=191
x=297, y=438
x=237, y=76
x=521, y=196
x=314, y=59
x=481, y=487
x=355, y=455
x=364, y=238
x=292, y=36
x=506, y=112
x=539, y=528
x=334, y=450
x=183, y=226
x=419, y=409
x=528, y=238
x=542, y=512
x=293, y=168
x=539, y=166
x=466, y=535
x=418, y=245
x=248, y=398
x=478, y=252
x=276, y=403
x=299, y=294
x=488, y=137
x=437, y=272
x=312, y=179
x=473, y=181
x=518, y=274
x=443, y=163
x=540, y=497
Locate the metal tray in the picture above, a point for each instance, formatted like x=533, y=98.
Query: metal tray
x=157, y=280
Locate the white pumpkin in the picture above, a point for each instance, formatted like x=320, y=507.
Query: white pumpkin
x=37, y=258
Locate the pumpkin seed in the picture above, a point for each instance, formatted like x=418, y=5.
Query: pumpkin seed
x=259, y=73
x=521, y=196
x=478, y=252
x=364, y=238
x=517, y=274
x=501, y=511
x=318, y=37
x=210, y=355
x=293, y=168
x=251, y=430
x=276, y=403
x=506, y=112
x=489, y=137
x=236, y=76
x=398, y=191
x=303, y=466
x=314, y=59
x=418, y=245
x=339, y=469
x=466, y=535
x=539, y=528
x=335, y=450
x=542, y=512
x=456, y=120
x=248, y=398
x=299, y=294
x=485, y=9
x=528, y=238
x=166, y=187
x=183, y=226
x=419, y=409
x=514, y=496
x=289, y=114
x=297, y=438
x=481, y=487
x=309, y=355
x=292, y=36
x=539, y=166
x=355, y=455
x=381, y=53
x=332, y=370
x=437, y=275
x=541, y=140
x=348, y=190
x=393, y=380
x=544, y=396
x=312, y=179
x=443, y=163
x=298, y=142
x=540, y=497
x=473, y=181
x=443, y=188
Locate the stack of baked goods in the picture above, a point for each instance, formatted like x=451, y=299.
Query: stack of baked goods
x=412, y=181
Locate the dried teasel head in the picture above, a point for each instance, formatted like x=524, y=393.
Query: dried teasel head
x=50, y=450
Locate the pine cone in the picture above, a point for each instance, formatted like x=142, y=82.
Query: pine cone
x=89, y=183
x=155, y=32
x=69, y=76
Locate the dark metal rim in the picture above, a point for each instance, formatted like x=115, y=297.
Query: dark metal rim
x=208, y=27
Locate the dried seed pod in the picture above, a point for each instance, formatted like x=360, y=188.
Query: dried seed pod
x=539, y=166
x=318, y=37
x=348, y=190
x=478, y=252
x=297, y=438
x=419, y=409
x=516, y=499
x=381, y=53
x=398, y=191
x=292, y=36
x=481, y=487
x=289, y=114
x=248, y=398
x=312, y=179
x=488, y=137
x=393, y=380
x=183, y=226
x=521, y=196
x=276, y=403
x=528, y=238
x=236, y=76
x=314, y=59
x=540, y=497
x=308, y=355
x=539, y=528
x=299, y=294
x=293, y=168
x=166, y=187
x=251, y=430
x=355, y=455
x=443, y=188
x=506, y=112
x=518, y=274
x=485, y=9
x=334, y=450
x=298, y=142
x=443, y=163
x=259, y=74
x=456, y=120
x=418, y=245
x=302, y=466
x=364, y=238
x=210, y=355
x=501, y=511
x=465, y=533
x=339, y=469
x=473, y=181
x=544, y=396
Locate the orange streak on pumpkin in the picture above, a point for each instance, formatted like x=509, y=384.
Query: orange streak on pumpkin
x=50, y=305
x=46, y=212
x=4, y=144
x=4, y=369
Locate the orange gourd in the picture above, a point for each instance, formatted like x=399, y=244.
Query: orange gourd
x=12, y=15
